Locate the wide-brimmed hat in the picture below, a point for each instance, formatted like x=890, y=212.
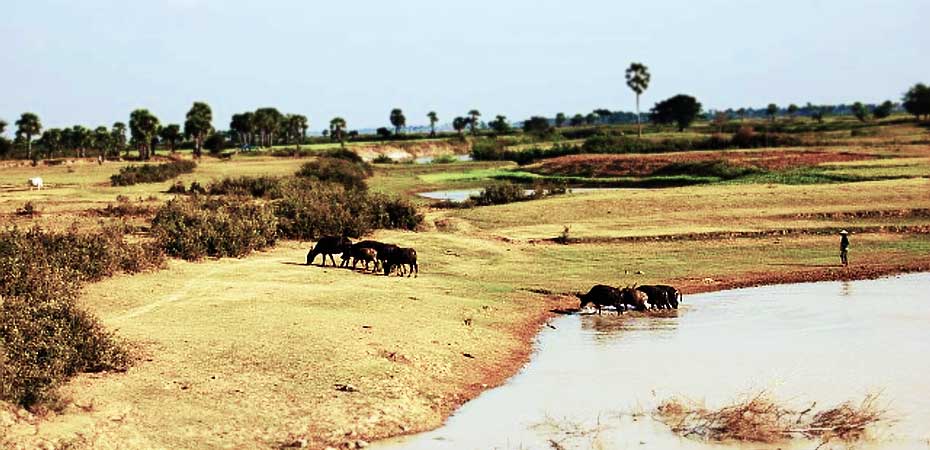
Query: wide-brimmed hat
x=844, y=232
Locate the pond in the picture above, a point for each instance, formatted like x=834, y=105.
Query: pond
x=827, y=342
x=460, y=195
x=429, y=159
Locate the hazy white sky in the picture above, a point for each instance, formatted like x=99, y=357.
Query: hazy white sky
x=93, y=61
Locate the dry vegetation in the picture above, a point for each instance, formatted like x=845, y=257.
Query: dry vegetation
x=759, y=418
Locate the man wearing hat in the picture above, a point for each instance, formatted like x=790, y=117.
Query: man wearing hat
x=844, y=247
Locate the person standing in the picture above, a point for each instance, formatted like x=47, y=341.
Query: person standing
x=844, y=247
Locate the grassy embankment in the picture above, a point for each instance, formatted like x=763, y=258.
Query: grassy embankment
x=249, y=352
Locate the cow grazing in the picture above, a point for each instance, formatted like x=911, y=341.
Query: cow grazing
x=400, y=257
x=356, y=254
x=601, y=295
x=378, y=247
x=656, y=296
x=35, y=183
x=630, y=296
x=672, y=294
x=328, y=246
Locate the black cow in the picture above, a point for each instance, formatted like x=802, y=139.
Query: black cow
x=328, y=245
x=377, y=246
x=672, y=294
x=630, y=296
x=602, y=295
x=656, y=296
x=399, y=257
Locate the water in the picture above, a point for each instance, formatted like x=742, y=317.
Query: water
x=429, y=159
x=830, y=342
x=460, y=195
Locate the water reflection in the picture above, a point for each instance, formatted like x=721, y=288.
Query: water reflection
x=845, y=288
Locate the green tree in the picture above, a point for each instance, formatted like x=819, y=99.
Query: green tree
x=741, y=113
x=383, y=132
x=860, y=111
x=459, y=124
x=917, y=101
x=337, y=128
x=296, y=126
x=242, y=124
x=28, y=126
x=603, y=114
x=102, y=141
x=560, y=120
x=78, y=139
x=680, y=109
x=398, y=120
x=500, y=125
x=792, y=110
x=473, y=116
x=3, y=125
x=51, y=141
x=590, y=119
x=771, y=111
x=577, y=120
x=433, y=118
x=537, y=126
x=118, y=135
x=170, y=134
x=883, y=110
x=267, y=120
x=637, y=78
x=198, y=125
x=143, y=127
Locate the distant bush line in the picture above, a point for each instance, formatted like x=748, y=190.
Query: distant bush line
x=45, y=338
x=152, y=173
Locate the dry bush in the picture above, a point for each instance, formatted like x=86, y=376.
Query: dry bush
x=759, y=418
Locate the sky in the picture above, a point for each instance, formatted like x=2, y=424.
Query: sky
x=91, y=62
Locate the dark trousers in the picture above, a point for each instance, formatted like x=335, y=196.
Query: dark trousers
x=843, y=257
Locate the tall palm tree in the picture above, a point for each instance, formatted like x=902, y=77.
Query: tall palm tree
x=28, y=125
x=3, y=125
x=170, y=134
x=337, y=128
x=298, y=125
x=102, y=141
x=267, y=120
x=637, y=78
x=433, y=118
x=473, y=116
x=459, y=124
x=143, y=125
x=198, y=125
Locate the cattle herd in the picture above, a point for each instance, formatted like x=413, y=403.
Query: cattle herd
x=635, y=297
x=377, y=256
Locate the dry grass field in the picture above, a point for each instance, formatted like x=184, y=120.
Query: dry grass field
x=266, y=352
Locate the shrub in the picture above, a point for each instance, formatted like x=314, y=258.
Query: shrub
x=258, y=187
x=444, y=159
x=383, y=159
x=177, y=188
x=393, y=213
x=131, y=175
x=44, y=337
x=29, y=210
x=310, y=210
x=499, y=194
x=487, y=150
x=338, y=170
x=716, y=168
x=195, y=227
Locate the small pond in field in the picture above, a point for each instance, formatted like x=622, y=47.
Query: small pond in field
x=595, y=381
x=430, y=159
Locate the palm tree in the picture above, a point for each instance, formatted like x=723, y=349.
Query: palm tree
x=637, y=78
x=267, y=120
x=473, y=116
x=118, y=132
x=337, y=128
x=297, y=124
x=143, y=125
x=199, y=125
x=102, y=141
x=771, y=111
x=28, y=125
x=2, y=126
x=51, y=141
x=560, y=120
x=459, y=124
x=170, y=134
x=398, y=120
x=433, y=118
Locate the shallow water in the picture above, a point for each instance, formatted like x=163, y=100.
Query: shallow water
x=827, y=342
x=429, y=159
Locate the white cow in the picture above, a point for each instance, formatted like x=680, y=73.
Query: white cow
x=35, y=183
